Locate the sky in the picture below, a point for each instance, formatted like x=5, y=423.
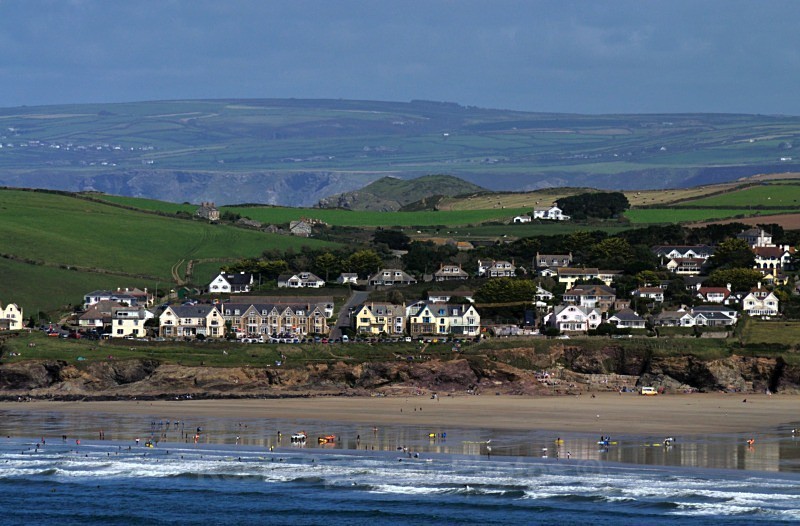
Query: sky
x=609, y=56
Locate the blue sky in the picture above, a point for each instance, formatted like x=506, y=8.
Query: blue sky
x=552, y=56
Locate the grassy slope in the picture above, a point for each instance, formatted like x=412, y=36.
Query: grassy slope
x=40, y=288
x=141, y=248
x=783, y=195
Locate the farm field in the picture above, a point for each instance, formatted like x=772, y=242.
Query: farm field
x=783, y=195
x=690, y=215
x=787, y=221
x=278, y=215
x=532, y=229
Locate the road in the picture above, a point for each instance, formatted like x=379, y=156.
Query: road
x=356, y=298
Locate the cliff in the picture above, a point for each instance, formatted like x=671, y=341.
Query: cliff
x=563, y=370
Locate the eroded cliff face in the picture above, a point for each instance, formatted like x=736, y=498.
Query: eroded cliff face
x=566, y=369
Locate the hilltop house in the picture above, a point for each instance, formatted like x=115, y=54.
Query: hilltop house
x=300, y=280
x=207, y=211
x=553, y=213
x=496, y=269
x=191, y=322
x=390, y=277
x=264, y=319
x=302, y=228
x=379, y=318
x=444, y=319
x=11, y=317
x=231, y=283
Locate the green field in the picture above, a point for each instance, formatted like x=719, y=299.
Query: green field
x=770, y=195
x=688, y=215
x=58, y=247
x=41, y=288
x=70, y=231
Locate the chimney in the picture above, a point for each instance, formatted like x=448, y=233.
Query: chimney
x=728, y=286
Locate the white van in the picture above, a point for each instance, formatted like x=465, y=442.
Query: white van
x=345, y=338
x=648, y=391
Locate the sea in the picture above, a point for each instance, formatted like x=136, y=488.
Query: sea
x=89, y=468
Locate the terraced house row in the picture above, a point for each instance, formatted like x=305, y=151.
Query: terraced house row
x=417, y=319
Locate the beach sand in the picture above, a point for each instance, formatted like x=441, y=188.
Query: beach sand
x=612, y=413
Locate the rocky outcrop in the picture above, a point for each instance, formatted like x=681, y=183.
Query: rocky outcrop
x=563, y=369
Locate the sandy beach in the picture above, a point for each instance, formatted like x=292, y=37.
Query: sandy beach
x=611, y=413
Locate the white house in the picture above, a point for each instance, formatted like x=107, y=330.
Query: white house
x=346, y=278
x=626, y=318
x=714, y=294
x=667, y=252
x=300, y=280
x=11, y=317
x=651, y=293
x=234, y=283
x=572, y=275
x=756, y=237
x=760, y=302
x=450, y=273
x=552, y=213
x=443, y=319
x=389, y=277
x=573, y=318
x=523, y=219
x=496, y=269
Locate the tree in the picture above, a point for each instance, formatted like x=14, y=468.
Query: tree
x=394, y=239
x=364, y=262
x=612, y=252
x=739, y=278
x=600, y=205
x=506, y=290
x=732, y=253
x=327, y=264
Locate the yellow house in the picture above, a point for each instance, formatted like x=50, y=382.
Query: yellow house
x=11, y=317
x=378, y=318
x=191, y=322
x=129, y=321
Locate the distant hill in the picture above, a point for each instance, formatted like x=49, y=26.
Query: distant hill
x=391, y=194
x=296, y=152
